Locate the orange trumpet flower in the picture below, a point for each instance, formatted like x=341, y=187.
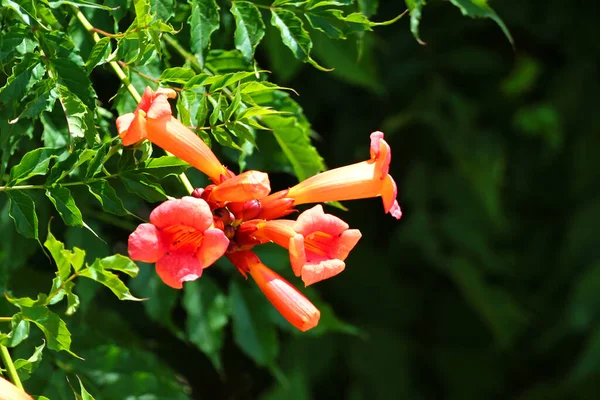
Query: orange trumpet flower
x=8, y=391
x=153, y=120
x=290, y=303
x=356, y=181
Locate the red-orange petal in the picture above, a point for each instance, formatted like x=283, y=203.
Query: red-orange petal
x=145, y=244
x=250, y=185
x=176, y=268
x=187, y=211
x=214, y=245
x=313, y=273
x=290, y=303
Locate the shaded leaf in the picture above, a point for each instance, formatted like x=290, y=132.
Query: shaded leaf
x=250, y=27
x=22, y=211
x=33, y=163
x=144, y=186
x=55, y=330
x=107, y=197
x=99, y=54
x=62, y=199
x=481, y=9
x=203, y=21
x=26, y=367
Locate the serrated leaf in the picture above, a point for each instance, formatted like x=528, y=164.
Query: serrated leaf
x=322, y=21
x=203, y=21
x=16, y=41
x=22, y=211
x=34, y=163
x=120, y=263
x=97, y=162
x=64, y=258
x=257, y=112
x=144, y=186
x=99, y=54
x=202, y=113
x=64, y=203
x=19, y=331
x=72, y=299
x=252, y=329
x=196, y=80
x=481, y=9
x=242, y=131
x=107, y=197
x=208, y=314
x=23, y=76
x=223, y=137
x=55, y=330
x=26, y=367
x=99, y=273
x=233, y=106
x=18, y=9
x=161, y=167
x=296, y=146
x=415, y=7
x=215, y=116
x=177, y=75
x=163, y=9
x=80, y=119
x=293, y=35
x=74, y=77
x=218, y=82
x=62, y=168
x=250, y=27
x=44, y=95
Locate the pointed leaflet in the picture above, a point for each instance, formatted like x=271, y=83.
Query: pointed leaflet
x=22, y=211
x=64, y=203
x=24, y=75
x=208, y=314
x=293, y=35
x=203, y=21
x=177, y=75
x=64, y=258
x=481, y=9
x=55, y=330
x=99, y=54
x=80, y=118
x=26, y=367
x=99, y=271
x=415, y=7
x=33, y=163
x=250, y=27
x=107, y=197
x=43, y=95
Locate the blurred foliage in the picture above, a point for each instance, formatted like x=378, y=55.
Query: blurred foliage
x=488, y=286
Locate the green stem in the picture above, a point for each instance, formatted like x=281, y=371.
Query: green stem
x=10, y=367
x=125, y=80
x=33, y=187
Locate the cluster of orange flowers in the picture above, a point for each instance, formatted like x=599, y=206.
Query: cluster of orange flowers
x=237, y=212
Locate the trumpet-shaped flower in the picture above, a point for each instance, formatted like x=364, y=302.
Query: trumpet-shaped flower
x=356, y=181
x=153, y=120
x=180, y=239
x=250, y=185
x=290, y=303
x=318, y=243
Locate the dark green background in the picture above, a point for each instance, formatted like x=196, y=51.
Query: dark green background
x=487, y=288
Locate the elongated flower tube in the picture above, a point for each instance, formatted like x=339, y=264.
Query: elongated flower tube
x=153, y=120
x=8, y=391
x=290, y=303
x=250, y=185
x=356, y=181
x=318, y=243
x=180, y=239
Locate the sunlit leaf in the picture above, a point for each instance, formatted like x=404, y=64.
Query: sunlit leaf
x=64, y=202
x=250, y=27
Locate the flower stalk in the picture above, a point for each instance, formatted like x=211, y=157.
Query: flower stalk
x=10, y=367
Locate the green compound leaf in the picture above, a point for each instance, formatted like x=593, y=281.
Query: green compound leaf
x=294, y=36
x=177, y=75
x=64, y=203
x=99, y=272
x=208, y=314
x=203, y=21
x=33, y=163
x=252, y=329
x=250, y=27
x=144, y=186
x=24, y=75
x=43, y=97
x=19, y=331
x=481, y=9
x=64, y=258
x=55, y=330
x=26, y=367
x=80, y=119
x=22, y=211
